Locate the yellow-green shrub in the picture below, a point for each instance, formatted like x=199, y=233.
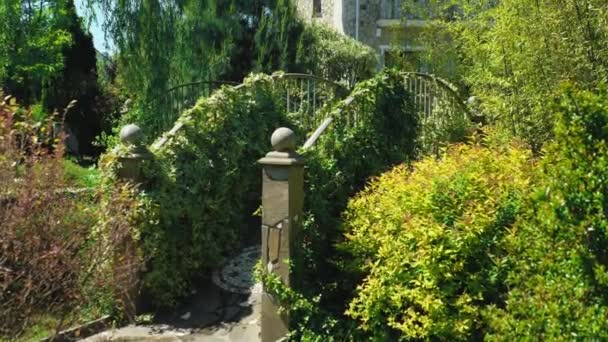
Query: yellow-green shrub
x=429, y=241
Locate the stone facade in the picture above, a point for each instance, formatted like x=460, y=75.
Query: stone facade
x=380, y=23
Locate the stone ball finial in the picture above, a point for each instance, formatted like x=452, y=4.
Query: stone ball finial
x=283, y=140
x=131, y=135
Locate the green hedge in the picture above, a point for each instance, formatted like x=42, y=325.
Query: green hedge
x=334, y=56
x=430, y=242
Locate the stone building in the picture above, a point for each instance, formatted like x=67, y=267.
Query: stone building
x=377, y=23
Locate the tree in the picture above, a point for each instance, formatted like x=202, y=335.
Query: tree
x=31, y=45
x=166, y=43
x=47, y=57
x=77, y=81
x=513, y=54
x=277, y=41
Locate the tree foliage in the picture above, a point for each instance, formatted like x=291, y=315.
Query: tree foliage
x=32, y=40
x=47, y=57
x=166, y=43
x=513, y=54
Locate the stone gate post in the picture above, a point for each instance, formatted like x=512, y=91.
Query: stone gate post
x=282, y=202
x=130, y=170
x=132, y=137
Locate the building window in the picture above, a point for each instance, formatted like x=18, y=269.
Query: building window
x=317, y=10
x=390, y=9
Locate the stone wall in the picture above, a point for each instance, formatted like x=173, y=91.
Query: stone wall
x=304, y=8
x=373, y=31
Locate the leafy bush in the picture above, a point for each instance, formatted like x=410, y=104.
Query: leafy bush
x=204, y=184
x=50, y=261
x=513, y=55
x=559, y=282
x=375, y=128
x=430, y=242
x=336, y=57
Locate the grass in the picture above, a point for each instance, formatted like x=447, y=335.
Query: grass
x=81, y=177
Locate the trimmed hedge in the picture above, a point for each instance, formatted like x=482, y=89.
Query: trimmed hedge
x=334, y=56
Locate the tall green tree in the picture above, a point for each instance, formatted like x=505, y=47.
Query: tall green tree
x=47, y=57
x=32, y=41
x=77, y=81
x=278, y=38
x=512, y=54
x=166, y=43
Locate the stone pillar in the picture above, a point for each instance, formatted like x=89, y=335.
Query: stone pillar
x=131, y=162
x=282, y=201
x=132, y=137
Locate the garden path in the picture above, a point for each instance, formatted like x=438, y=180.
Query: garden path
x=225, y=308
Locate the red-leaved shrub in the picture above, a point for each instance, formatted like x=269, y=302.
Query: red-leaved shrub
x=52, y=262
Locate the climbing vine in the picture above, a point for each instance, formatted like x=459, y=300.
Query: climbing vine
x=204, y=185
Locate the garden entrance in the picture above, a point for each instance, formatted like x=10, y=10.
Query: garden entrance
x=204, y=177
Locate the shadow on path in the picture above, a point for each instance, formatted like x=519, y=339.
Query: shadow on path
x=223, y=308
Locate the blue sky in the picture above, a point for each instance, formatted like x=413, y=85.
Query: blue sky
x=95, y=28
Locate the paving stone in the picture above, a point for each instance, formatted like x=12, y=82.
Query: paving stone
x=226, y=309
x=141, y=333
